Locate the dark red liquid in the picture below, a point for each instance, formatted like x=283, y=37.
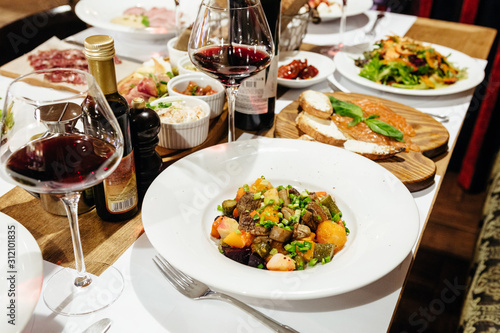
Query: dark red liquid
x=65, y=162
x=231, y=65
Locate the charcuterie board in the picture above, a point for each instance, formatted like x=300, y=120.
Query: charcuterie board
x=21, y=65
x=415, y=169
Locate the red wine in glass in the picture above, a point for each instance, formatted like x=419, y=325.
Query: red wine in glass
x=61, y=161
x=231, y=65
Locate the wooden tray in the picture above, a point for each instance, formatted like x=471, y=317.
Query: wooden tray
x=216, y=134
x=415, y=169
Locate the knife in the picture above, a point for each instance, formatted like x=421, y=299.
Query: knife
x=100, y=326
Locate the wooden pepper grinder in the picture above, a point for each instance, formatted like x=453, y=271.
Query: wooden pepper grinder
x=144, y=127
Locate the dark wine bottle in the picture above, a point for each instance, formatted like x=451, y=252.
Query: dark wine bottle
x=116, y=198
x=256, y=99
x=145, y=125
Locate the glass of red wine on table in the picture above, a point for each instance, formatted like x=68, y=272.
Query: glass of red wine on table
x=60, y=139
x=231, y=41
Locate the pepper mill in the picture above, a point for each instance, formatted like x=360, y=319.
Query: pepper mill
x=144, y=127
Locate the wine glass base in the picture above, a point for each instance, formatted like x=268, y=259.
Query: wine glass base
x=63, y=297
x=332, y=50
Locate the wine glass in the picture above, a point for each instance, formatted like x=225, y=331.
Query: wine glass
x=333, y=50
x=231, y=44
x=60, y=139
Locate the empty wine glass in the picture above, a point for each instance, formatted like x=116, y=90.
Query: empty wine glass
x=231, y=41
x=333, y=50
x=62, y=138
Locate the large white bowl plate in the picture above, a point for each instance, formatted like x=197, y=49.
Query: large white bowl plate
x=100, y=13
x=181, y=204
x=28, y=273
x=344, y=63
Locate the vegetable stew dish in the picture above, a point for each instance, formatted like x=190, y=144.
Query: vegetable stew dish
x=279, y=228
x=404, y=63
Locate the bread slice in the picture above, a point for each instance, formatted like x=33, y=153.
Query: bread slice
x=372, y=150
x=316, y=104
x=322, y=130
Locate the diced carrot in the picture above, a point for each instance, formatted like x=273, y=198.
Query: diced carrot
x=260, y=185
x=321, y=194
x=215, y=225
x=240, y=193
x=333, y=233
x=309, y=238
x=270, y=214
x=239, y=239
x=310, y=253
x=235, y=212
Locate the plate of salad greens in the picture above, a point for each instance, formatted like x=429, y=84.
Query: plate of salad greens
x=181, y=205
x=401, y=65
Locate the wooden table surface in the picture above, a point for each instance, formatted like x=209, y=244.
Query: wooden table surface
x=106, y=242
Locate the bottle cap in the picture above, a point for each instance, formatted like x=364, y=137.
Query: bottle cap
x=138, y=103
x=99, y=47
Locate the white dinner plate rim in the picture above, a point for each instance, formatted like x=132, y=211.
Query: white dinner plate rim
x=361, y=7
x=31, y=273
x=93, y=12
x=196, y=178
x=324, y=64
x=344, y=64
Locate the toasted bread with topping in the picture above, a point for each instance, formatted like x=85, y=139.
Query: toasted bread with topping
x=372, y=150
x=322, y=130
x=317, y=123
x=316, y=104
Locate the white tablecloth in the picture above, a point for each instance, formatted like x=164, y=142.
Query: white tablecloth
x=150, y=304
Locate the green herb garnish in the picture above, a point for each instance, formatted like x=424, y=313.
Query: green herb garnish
x=346, y=109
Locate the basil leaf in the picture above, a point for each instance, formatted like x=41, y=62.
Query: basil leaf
x=346, y=109
x=355, y=121
x=378, y=126
x=145, y=21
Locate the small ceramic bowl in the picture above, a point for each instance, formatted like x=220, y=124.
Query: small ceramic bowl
x=185, y=66
x=187, y=134
x=174, y=54
x=216, y=101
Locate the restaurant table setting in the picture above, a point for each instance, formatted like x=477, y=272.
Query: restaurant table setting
x=339, y=296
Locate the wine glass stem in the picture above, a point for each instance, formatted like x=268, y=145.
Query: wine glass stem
x=231, y=101
x=70, y=201
x=342, y=24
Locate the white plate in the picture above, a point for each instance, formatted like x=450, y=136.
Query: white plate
x=344, y=63
x=100, y=13
x=181, y=204
x=353, y=7
x=26, y=274
x=324, y=65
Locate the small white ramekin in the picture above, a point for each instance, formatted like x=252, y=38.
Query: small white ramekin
x=184, y=135
x=216, y=101
x=174, y=54
x=185, y=66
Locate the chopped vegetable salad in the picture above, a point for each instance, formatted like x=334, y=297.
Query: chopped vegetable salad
x=404, y=63
x=279, y=228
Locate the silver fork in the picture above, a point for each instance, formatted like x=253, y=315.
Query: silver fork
x=195, y=289
x=372, y=33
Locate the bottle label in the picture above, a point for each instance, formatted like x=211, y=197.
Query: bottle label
x=121, y=187
x=254, y=92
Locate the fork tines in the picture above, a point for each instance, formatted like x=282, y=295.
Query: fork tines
x=177, y=278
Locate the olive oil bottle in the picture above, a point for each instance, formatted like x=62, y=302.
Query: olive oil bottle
x=116, y=198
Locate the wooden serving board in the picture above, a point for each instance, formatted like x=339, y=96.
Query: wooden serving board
x=415, y=169
x=216, y=132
